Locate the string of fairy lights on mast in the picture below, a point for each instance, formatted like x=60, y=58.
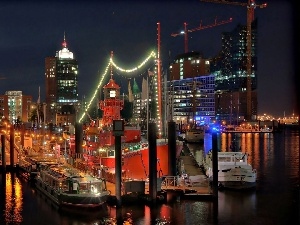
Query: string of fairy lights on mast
x=104, y=75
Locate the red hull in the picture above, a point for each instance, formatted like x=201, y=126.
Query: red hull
x=135, y=165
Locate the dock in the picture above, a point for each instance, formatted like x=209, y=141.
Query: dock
x=195, y=187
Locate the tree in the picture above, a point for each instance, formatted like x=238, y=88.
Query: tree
x=127, y=113
x=34, y=117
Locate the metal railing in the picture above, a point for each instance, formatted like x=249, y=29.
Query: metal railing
x=169, y=181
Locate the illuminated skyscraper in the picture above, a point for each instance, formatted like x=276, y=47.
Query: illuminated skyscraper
x=230, y=70
x=61, y=75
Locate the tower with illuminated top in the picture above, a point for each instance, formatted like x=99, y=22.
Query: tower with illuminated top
x=61, y=75
x=112, y=104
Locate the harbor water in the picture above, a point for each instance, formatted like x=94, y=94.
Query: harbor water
x=274, y=201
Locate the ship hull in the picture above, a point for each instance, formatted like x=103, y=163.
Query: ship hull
x=135, y=164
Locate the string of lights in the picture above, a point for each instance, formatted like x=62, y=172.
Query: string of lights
x=151, y=55
x=103, y=76
x=141, y=74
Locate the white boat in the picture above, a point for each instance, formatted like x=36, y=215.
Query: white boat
x=266, y=130
x=194, y=135
x=234, y=171
x=70, y=189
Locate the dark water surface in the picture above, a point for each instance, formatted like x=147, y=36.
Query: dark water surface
x=275, y=200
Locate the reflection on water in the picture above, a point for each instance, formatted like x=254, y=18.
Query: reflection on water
x=265, y=151
x=11, y=199
x=274, y=201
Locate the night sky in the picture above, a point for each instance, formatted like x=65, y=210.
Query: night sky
x=30, y=31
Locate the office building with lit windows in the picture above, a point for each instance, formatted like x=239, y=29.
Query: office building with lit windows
x=188, y=65
x=192, y=100
x=61, y=75
x=15, y=106
x=191, y=90
x=137, y=103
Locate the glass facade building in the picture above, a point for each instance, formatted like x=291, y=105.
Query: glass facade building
x=230, y=70
x=192, y=100
x=61, y=73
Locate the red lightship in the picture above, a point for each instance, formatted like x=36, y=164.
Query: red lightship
x=135, y=157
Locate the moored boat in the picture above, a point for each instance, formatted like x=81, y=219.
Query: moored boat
x=30, y=165
x=234, y=171
x=99, y=141
x=68, y=188
x=135, y=160
x=194, y=135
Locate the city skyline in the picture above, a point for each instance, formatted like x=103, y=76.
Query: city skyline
x=32, y=32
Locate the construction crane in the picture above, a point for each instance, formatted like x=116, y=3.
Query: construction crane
x=251, y=6
x=186, y=31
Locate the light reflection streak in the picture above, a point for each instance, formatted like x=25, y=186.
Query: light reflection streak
x=131, y=215
x=292, y=155
x=260, y=148
x=13, y=200
x=253, y=154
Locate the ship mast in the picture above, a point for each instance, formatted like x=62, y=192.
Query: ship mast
x=159, y=116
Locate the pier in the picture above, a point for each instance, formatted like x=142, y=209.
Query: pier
x=194, y=185
x=171, y=188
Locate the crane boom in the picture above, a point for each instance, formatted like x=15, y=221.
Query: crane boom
x=186, y=31
x=250, y=3
x=211, y=25
x=251, y=6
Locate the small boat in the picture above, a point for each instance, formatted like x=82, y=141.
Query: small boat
x=234, y=171
x=71, y=189
x=194, y=135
